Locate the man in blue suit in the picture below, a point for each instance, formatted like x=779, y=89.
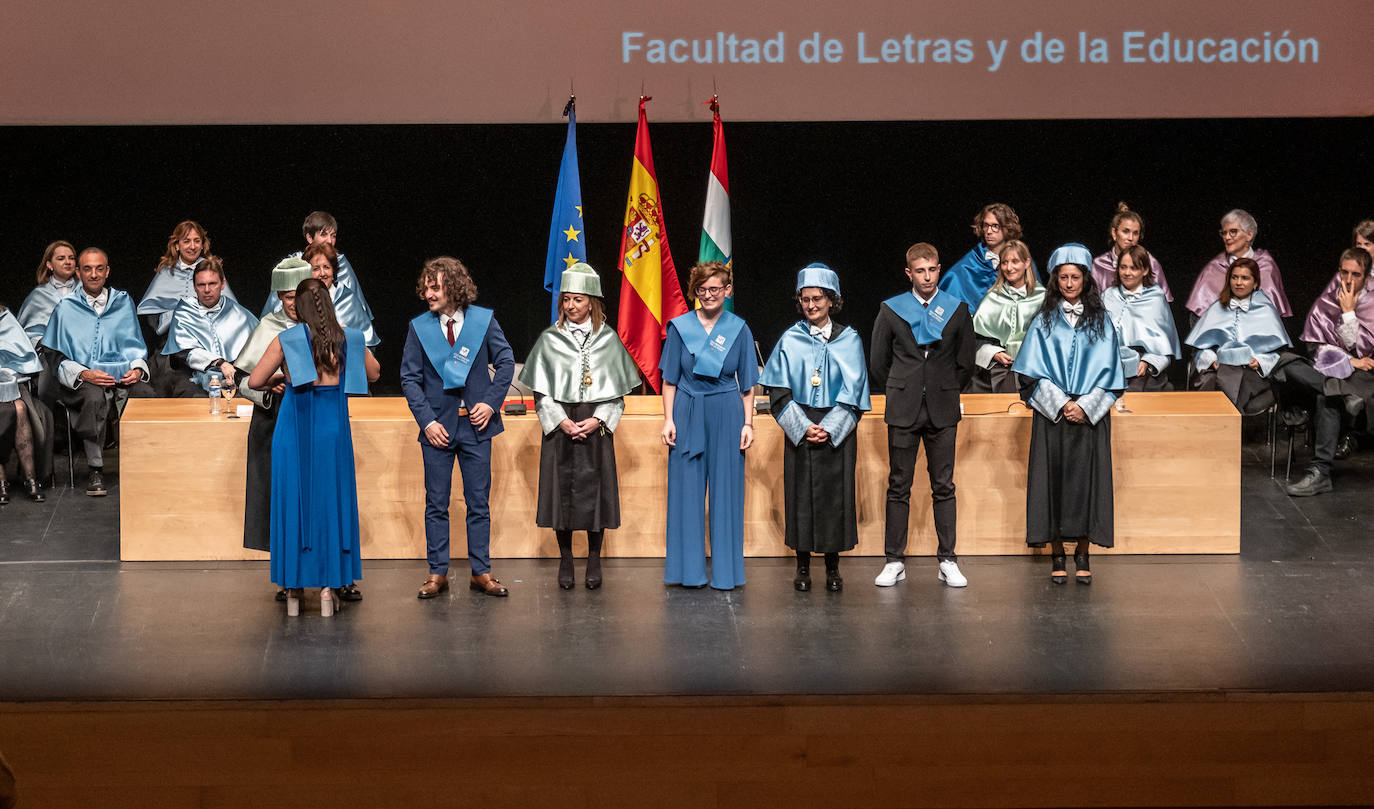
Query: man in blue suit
x=457, y=405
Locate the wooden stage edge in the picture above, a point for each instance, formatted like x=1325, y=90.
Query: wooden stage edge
x=177, y=505
x=1131, y=749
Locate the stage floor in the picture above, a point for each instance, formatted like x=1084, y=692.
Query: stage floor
x=1293, y=612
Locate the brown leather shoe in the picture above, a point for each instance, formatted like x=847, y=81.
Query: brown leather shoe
x=488, y=585
x=433, y=586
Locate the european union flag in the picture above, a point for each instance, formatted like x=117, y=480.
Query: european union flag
x=566, y=245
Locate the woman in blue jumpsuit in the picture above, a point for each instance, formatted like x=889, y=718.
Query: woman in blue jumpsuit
x=709, y=373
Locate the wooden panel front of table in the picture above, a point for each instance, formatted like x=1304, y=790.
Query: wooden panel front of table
x=1175, y=465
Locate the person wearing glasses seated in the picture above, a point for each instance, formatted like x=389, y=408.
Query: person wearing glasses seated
x=206, y=335
x=709, y=374
x=580, y=373
x=25, y=422
x=1000, y=323
x=970, y=278
x=1126, y=231
x=1340, y=371
x=1237, y=341
x=1070, y=367
x=101, y=357
x=1140, y=312
x=818, y=389
x=1238, y=230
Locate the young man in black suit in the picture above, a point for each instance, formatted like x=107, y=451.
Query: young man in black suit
x=921, y=357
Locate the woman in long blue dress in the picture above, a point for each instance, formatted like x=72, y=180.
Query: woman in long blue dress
x=314, y=527
x=709, y=373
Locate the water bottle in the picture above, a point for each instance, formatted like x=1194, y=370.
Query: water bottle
x=215, y=390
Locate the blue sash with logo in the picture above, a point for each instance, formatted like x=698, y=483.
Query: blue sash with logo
x=452, y=362
x=927, y=322
x=709, y=349
x=295, y=347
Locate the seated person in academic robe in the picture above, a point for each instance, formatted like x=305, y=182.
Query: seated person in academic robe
x=56, y=280
x=580, y=373
x=25, y=423
x=348, y=306
x=1340, y=372
x=1000, y=323
x=1140, y=312
x=321, y=228
x=206, y=334
x=1070, y=364
x=1238, y=230
x=173, y=282
x=1126, y=231
x=970, y=278
x=257, y=496
x=1237, y=340
x=818, y=387
x=102, y=358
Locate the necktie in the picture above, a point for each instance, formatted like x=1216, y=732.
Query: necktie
x=450, y=332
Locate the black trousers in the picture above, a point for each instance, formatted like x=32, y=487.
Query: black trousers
x=1327, y=415
x=90, y=406
x=903, y=446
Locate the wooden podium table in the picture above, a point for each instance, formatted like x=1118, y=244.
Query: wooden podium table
x=1176, y=469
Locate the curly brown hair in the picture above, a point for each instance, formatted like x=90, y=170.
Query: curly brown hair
x=706, y=270
x=458, y=285
x=170, y=257
x=1005, y=216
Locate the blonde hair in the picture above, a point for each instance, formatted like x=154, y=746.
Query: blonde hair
x=598, y=313
x=1019, y=248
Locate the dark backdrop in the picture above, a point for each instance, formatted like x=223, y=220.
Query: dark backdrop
x=853, y=195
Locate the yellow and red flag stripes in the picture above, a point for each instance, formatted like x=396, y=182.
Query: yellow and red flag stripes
x=650, y=294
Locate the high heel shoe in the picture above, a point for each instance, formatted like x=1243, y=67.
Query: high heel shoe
x=326, y=602
x=565, y=573
x=593, y=577
x=4, y=492
x=1059, y=568
x=31, y=489
x=1082, y=571
x=802, y=583
x=293, y=603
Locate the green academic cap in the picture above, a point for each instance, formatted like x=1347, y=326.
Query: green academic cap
x=582, y=279
x=288, y=274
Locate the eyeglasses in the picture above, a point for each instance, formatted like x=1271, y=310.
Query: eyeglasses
x=710, y=292
x=991, y=226
x=1232, y=232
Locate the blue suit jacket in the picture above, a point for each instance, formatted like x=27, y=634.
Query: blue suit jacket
x=424, y=390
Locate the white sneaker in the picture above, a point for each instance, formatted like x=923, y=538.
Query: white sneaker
x=893, y=572
x=950, y=575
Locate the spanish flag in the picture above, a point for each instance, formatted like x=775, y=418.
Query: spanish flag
x=650, y=294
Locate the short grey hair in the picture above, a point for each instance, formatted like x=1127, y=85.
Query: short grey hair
x=1244, y=219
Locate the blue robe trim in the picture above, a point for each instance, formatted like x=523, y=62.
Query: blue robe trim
x=840, y=364
x=709, y=350
x=295, y=348
x=452, y=362
x=1238, y=335
x=109, y=342
x=927, y=322
x=1069, y=358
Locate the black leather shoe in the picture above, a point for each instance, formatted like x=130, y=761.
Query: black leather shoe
x=95, y=485
x=1083, y=573
x=593, y=577
x=833, y=582
x=802, y=582
x=281, y=593
x=565, y=573
x=1059, y=571
x=1346, y=447
x=31, y=489
x=350, y=592
x=1316, y=481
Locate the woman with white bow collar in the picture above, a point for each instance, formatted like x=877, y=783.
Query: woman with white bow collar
x=1237, y=341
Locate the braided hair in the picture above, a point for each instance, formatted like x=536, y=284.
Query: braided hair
x=316, y=311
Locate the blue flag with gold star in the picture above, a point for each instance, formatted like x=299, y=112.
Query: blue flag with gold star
x=566, y=245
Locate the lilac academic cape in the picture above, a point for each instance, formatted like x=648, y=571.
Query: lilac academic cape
x=1207, y=288
x=1104, y=272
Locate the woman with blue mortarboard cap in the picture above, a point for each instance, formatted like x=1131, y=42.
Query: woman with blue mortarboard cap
x=818, y=380
x=1070, y=367
x=579, y=372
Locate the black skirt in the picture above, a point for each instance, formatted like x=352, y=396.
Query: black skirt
x=578, y=488
x=1069, y=486
x=257, y=491
x=818, y=487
